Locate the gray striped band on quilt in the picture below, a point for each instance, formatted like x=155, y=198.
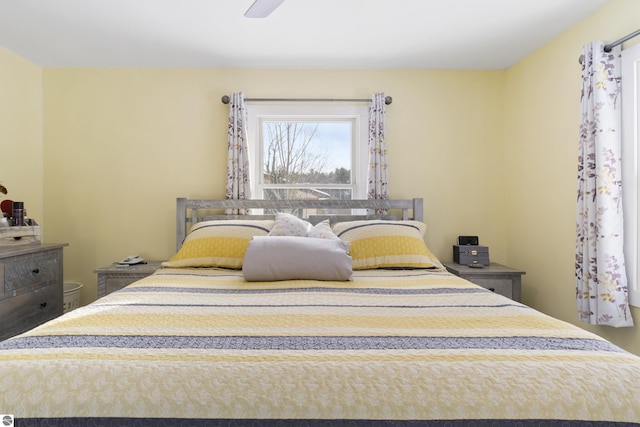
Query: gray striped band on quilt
x=318, y=305
x=198, y=422
x=307, y=342
x=373, y=291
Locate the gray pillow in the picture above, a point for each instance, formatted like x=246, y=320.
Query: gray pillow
x=270, y=258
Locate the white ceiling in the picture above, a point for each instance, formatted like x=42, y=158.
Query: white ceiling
x=397, y=34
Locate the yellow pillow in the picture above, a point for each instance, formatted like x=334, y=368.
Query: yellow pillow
x=387, y=244
x=218, y=243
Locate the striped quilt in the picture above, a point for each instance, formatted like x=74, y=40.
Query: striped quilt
x=390, y=348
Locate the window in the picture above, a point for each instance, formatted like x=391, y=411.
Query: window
x=308, y=152
x=630, y=178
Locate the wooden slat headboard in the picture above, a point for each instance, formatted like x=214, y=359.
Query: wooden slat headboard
x=191, y=211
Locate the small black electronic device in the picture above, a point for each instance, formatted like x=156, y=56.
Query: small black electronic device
x=468, y=240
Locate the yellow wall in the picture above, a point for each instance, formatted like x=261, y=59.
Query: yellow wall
x=21, y=131
x=541, y=136
x=492, y=153
x=122, y=144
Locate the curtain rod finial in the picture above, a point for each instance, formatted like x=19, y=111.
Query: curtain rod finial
x=388, y=100
x=226, y=99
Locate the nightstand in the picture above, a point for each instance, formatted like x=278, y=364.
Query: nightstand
x=114, y=277
x=498, y=278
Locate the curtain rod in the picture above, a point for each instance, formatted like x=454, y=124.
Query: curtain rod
x=608, y=47
x=225, y=100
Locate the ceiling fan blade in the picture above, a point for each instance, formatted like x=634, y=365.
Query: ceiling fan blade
x=262, y=8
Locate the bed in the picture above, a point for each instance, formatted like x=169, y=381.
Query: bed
x=228, y=334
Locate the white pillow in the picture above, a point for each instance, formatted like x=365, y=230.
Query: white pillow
x=270, y=258
x=289, y=225
x=322, y=230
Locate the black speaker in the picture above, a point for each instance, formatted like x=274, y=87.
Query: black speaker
x=468, y=240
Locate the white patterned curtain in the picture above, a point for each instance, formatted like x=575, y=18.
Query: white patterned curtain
x=238, y=178
x=378, y=184
x=601, y=282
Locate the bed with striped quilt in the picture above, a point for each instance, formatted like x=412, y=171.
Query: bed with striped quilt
x=203, y=347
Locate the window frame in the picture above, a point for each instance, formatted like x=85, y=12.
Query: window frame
x=359, y=147
x=630, y=82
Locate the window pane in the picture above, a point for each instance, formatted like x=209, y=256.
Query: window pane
x=296, y=152
x=308, y=193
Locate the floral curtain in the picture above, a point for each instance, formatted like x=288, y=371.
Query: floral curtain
x=378, y=184
x=238, y=179
x=601, y=282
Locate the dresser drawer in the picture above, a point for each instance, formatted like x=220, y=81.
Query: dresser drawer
x=26, y=273
x=26, y=311
x=31, y=286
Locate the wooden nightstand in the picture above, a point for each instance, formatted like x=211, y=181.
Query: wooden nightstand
x=31, y=286
x=114, y=277
x=498, y=278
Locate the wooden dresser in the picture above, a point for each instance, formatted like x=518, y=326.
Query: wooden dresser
x=31, y=286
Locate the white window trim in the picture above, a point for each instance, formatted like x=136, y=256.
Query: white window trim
x=630, y=178
x=358, y=113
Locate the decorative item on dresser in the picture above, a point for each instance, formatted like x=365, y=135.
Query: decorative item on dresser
x=114, y=277
x=475, y=255
x=496, y=277
x=31, y=282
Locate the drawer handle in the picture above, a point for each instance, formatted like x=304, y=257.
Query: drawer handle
x=43, y=305
x=492, y=289
x=35, y=270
